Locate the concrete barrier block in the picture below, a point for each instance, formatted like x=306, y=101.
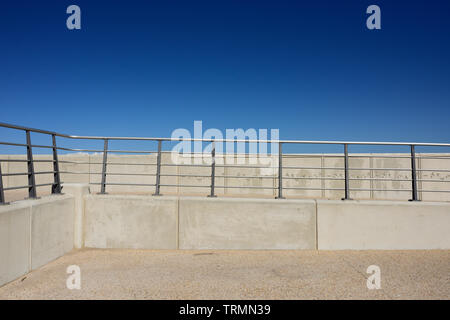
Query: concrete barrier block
x=52, y=226
x=246, y=224
x=384, y=225
x=144, y=222
x=14, y=241
x=78, y=190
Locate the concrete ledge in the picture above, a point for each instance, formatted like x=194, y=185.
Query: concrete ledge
x=33, y=233
x=52, y=225
x=386, y=225
x=144, y=222
x=230, y=223
x=14, y=241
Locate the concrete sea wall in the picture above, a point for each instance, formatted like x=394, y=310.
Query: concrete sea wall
x=170, y=222
x=35, y=232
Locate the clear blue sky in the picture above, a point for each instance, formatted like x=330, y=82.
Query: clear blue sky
x=310, y=68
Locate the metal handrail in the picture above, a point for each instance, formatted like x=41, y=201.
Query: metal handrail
x=382, y=143
x=56, y=184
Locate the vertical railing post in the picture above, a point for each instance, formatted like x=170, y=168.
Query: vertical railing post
x=213, y=169
x=158, y=170
x=347, y=174
x=56, y=187
x=31, y=177
x=105, y=160
x=280, y=171
x=2, y=193
x=413, y=174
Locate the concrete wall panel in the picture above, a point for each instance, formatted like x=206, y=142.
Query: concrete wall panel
x=384, y=225
x=52, y=228
x=144, y=222
x=14, y=242
x=33, y=233
x=246, y=224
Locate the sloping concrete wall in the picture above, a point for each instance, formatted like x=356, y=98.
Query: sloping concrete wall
x=33, y=233
x=389, y=225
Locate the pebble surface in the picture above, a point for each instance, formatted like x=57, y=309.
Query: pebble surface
x=226, y=274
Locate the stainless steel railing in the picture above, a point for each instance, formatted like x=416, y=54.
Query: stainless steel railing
x=159, y=175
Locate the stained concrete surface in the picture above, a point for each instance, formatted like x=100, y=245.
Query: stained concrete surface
x=207, y=274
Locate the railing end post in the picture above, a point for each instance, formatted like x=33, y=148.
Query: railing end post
x=346, y=174
x=414, y=196
x=280, y=171
x=158, y=170
x=31, y=178
x=213, y=170
x=104, y=163
x=56, y=186
x=2, y=194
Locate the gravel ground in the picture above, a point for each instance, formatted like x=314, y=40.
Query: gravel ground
x=158, y=274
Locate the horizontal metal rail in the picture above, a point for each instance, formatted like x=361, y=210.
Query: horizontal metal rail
x=26, y=173
x=382, y=143
x=24, y=160
x=29, y=186
x=126, y=184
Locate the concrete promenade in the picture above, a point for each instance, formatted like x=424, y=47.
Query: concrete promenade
x=36, y=232
x=213, y=274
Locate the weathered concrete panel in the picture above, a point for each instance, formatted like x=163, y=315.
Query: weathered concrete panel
x=246, y=224
x=14, y=241
x=390, y=225
x=307, y=181
x=402, y=187
x=144, y=222
x=52, y=226
x=434, y=180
